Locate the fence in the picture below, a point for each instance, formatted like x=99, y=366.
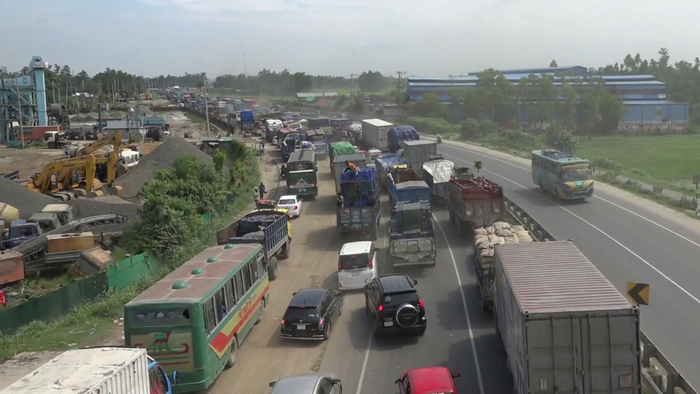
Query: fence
x=663, y=380
x=130, y=270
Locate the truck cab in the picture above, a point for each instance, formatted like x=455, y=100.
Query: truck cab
x=46, y=221
x=55, y=139
x=21, y=231
x=63, y=211
x=159, y=381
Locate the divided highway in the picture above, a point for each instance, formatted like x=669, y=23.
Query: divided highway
x=629, y=242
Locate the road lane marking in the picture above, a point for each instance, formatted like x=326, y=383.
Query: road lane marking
x=477, y=366
x=610, y=237
x=681, y=236
x=364, y=365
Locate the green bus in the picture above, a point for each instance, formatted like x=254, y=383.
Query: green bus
x=565, y=176
x=194, y=319
x=302, y=173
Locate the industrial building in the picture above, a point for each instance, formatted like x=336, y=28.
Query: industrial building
x=647, y=108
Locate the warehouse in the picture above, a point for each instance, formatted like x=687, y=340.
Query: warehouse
x=647, y=109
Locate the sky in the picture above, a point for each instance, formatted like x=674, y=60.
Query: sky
x=340, y=37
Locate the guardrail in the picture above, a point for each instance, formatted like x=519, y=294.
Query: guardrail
x=658, y=373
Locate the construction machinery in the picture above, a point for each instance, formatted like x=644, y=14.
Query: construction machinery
x=57, y=178
x=55, y=139
x=92, y=149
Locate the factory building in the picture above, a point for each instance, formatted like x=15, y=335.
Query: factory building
x=647, y=109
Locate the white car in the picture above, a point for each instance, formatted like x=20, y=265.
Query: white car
x=292, y=204
x=357, y=265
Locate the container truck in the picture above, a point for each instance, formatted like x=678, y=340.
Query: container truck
x=317, y=122
x=375, y=133
x=476, y=202
x=338, y=166
x=418, y=152
x=412, y=234
x=248, y=120
x=385, y=163
x=564, y=326
x=399, y=134
x=407, y=185
x=437, y=173
x=359, y=212
x=266, y=227
x=104, y=370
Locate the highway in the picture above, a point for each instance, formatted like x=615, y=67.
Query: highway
x=628, y=241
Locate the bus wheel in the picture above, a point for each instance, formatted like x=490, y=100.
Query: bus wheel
x=233, y=353
x=262, y=308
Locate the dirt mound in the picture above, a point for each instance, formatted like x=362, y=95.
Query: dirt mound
x=161, y=158
x=27, y=201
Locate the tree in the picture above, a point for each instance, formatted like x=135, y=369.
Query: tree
x=568, y=106
x=553, y=64
x=560, y=138
x=371, y=81
x=429, y=106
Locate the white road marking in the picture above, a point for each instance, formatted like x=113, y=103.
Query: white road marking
x=681, y=236
x=364, y=365
x=610, y=237
x=466, y=309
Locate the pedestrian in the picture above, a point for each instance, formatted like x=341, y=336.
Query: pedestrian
x=350, y=167
x=341, y=200
x=255, y=194
x=262, y=190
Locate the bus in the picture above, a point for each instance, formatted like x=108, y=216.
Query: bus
x=302, y=173
x=195, y=318
x=565, y=176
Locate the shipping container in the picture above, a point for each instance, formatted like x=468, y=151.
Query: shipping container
x=11, y=267
x=375, y=133
x=564, y=326
x=418, y=152
x=89, y=371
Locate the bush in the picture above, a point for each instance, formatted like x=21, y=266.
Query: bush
x=436, y=126
x=474, y=129
x=639, y=172
x=605, y=163
x=610, y=175
x=657, y=189
x=559, y=137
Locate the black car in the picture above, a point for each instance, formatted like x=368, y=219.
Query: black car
x=311, y=313
x=393, y=305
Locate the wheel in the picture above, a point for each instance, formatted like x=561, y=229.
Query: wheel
x=286, y=251
x=233, y=353
x=272, y=268
x=340, y=309
x=262, y=308
x=327, y=330
x=377, y=333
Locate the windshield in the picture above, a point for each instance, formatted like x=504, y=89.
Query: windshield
x=576, y=172
x=160, y=317
x=413, y=245
x=286, y=201
x=301, y=166
x=351, y=261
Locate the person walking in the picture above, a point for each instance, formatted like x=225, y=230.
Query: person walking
x=262, y=190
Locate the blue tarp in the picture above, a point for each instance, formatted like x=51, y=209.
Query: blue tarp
x=401, y=133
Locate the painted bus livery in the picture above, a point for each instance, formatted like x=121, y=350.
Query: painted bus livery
x=565, y=176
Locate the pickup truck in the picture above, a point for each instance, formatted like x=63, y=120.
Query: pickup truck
x=476, y=202
x=360, y=211
x=412, y=234
x=266, y=227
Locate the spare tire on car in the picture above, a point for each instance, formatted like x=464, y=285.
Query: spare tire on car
x=407, y=316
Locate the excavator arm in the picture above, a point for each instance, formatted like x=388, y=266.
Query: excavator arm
x=50, y=180
x=115, y=140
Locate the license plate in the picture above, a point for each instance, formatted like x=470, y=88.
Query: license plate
x=356, y=273
x=388, y=323
x=301, y=326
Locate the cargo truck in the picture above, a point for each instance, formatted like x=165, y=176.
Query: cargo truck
x=385, y=163
x=476, y=202
x=248, y=120
x=407, y=185
x=104, y=370
x=338, y=166
x=319, y=139
x=359, y=213
x=418, y=152
x=266, y=227
x=375, y=134
x=564, y=326
x=398, y=134
x=412, y=234
x=437, y=173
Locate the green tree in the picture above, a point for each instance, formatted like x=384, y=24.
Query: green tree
x=567, y=107
x=429, y=106
x=496, y=93
x=371, y=81
x=560, y=138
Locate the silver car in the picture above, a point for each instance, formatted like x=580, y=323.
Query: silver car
x=310, y=383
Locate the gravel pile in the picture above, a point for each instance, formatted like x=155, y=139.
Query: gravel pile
x=27, y=201
x=161, y=158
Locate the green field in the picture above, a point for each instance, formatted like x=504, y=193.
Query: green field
x=669, y=160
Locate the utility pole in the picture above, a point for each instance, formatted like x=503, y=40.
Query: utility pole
x=206, y=105
x=399, y=87
x=352, y=86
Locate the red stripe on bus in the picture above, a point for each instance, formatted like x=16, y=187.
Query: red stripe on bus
x=221, y=340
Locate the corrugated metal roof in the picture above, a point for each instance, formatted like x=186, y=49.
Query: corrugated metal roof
x=537, y=70
x=377, y=122
x=650, y=102
x=632, y=83
x=551, y=277
x=628, y=77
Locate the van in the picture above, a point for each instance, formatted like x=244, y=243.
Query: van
x=357, y=265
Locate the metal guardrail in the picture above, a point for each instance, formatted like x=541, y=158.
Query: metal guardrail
x=658, y=373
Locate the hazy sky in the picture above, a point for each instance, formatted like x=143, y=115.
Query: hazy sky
x=339, y=37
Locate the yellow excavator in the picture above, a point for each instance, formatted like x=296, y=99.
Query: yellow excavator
x=92, y=149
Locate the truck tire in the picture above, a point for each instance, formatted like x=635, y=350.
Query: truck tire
x=286, y=250
x=272, y=268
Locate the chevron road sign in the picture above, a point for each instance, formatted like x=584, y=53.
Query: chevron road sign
x=638, y=293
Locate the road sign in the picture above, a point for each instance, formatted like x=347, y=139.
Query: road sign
x=638, y=293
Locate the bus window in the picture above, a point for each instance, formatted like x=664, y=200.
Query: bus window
x=255, y=270
x=209, y=316
x=240, y=290
x=230, y=295
x=246, y=278
x=220, y=303
x=302, y=166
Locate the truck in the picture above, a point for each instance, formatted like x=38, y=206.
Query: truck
x=375, y=133
x=564, y=326
x=319, y=139
x=317, y=122
x=247, y=120
x=437, y=173
x=341, y=123
x=101, y=370
x=476, y=202
x=398, y=134
x=340, y=148
x=385, y=163
x=418, y=152
x=405, y=184
x=359, y=213
x=338, y=166
x=412, y=234
x=266, y=227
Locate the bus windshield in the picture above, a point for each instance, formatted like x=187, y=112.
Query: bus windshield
x=302, y=166
x=576, y=172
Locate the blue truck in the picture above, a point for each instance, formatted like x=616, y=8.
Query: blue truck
x=385, y=163
x=320, y=140
x=248, y=120
x=359, y=212
x=266, y=227
x=405, y=184
x=412, y=234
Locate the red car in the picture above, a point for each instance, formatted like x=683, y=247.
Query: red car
x=431, y=380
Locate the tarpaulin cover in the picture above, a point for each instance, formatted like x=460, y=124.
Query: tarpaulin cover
x=387, y=161
x=363, y=175
x=401, y=133
x=440, y=170
x=343, y=148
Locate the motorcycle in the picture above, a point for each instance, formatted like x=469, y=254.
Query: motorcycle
x=439, y=140
x=283, y=172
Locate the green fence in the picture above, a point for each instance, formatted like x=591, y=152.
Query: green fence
x=130, y=270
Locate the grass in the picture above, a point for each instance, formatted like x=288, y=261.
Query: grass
x=668, y=160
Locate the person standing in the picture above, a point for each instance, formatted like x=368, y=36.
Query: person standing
x=262, y=190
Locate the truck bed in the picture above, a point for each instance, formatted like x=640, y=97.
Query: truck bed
x=475, y=202
x=273, y=237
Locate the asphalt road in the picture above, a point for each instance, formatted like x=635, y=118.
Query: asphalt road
x=628, y=242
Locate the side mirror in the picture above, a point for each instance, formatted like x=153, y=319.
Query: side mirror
x=295, y=293
x=397, y=381
x=456, y=375
x=271, y=384
x=415, y=282
x=175, y=377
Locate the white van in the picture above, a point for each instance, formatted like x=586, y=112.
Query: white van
x=357, y=265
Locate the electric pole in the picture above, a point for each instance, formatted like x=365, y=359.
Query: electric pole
x=399, y=87
x=352, y=85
